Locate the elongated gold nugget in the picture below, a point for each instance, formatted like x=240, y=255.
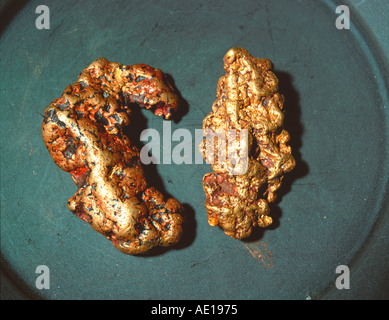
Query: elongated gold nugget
x=247, y=101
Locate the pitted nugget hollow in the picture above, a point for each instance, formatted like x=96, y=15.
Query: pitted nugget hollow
x=83, y=131
x=247, y=98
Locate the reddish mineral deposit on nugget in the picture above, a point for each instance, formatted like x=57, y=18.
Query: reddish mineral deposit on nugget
x=83, y=131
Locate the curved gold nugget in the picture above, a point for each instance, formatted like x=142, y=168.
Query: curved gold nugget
x=83, y=131
x=247, y=98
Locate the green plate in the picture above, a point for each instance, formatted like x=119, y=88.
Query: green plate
x=333, y=209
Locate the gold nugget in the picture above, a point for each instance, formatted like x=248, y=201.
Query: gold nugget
x=83, y=131
x=247, y=101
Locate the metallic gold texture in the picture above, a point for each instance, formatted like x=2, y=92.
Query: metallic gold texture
x=83, y=131
x=247, y=98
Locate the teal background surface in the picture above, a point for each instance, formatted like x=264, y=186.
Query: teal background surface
x=333, y=208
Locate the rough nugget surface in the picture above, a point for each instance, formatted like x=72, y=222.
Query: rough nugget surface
x=83, y=132
x=247, y=98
